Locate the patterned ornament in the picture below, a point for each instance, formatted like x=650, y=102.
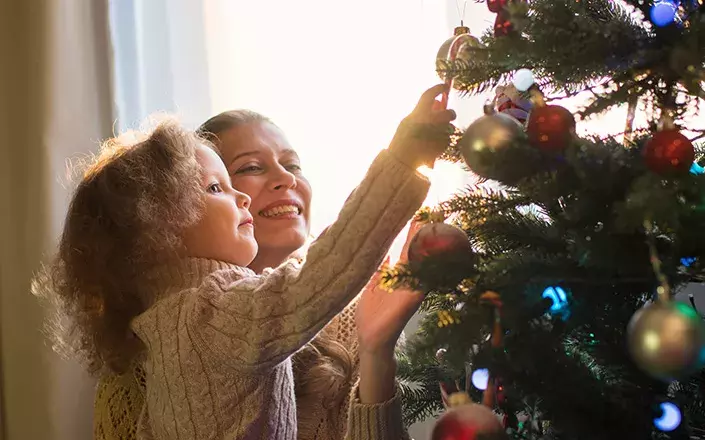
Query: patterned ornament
x=667, y=340
x=669, y=152
x=550, y=128
x=510, y=102
x=459, y=47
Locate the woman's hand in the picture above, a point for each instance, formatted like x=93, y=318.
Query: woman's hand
x=381, y=314
x=381, y=318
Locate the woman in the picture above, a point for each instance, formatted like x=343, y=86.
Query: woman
x=360, y=340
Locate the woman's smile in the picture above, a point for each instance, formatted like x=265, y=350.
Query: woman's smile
x=285, y=209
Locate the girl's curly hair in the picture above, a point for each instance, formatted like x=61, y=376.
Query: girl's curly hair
x=125, y=218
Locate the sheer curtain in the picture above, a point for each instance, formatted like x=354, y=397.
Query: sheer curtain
x=56, y=103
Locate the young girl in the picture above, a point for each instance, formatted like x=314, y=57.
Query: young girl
x=151, y=266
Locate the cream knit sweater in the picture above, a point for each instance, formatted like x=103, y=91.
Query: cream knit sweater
x=220, y=339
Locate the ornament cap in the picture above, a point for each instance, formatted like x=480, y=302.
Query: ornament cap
x=460, y=30
x=458, y=399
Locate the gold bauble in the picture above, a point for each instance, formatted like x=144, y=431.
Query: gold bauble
x=465, y=53
x=667, y=340
x=484, y=139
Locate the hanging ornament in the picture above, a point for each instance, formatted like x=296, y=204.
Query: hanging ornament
x=460, y=47
x=669, y=152
x=467, y=421
x=486, y=143
x=666, y=339
x=502, y=23
x=550, y=127
x=509, y=101
x=438, y=239
x=441, y=255
x=495, y=6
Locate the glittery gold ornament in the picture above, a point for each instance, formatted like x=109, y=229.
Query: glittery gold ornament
x=483, y=143
x=459, y=47
x=667, y=340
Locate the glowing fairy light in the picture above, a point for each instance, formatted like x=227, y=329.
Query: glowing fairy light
x=670, y=417
x=480, y=378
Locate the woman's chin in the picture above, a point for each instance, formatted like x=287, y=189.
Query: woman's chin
x=285, y=239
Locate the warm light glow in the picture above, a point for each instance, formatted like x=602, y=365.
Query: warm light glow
x=338, y=78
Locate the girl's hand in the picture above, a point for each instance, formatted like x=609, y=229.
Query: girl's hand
x=382, y=315
x=425, y=133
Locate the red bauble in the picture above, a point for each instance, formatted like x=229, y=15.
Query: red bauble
x=669, y=152
x=550, y=128
x=496, y=5
x=502, y=25
x=468, y=422
x=437, y=239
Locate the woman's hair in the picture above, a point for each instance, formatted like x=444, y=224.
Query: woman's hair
x=325, y=366
x=125, y=219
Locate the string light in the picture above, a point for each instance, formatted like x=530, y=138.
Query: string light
x=480, y=378
x=669, y=419
x=663, y=12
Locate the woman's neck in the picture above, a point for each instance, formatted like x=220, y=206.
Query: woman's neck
x=270, y=258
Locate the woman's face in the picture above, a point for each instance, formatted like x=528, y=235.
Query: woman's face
x=262, y=164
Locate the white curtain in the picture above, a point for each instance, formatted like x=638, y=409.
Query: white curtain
x=56, y=103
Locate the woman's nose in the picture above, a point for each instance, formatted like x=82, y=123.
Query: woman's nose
x=243, y=200
x=284, y=180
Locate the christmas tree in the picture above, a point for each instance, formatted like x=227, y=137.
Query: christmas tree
x=558, y=310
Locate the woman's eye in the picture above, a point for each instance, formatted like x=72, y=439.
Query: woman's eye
x=248, y=169
x=215, y=188
x=294, y=168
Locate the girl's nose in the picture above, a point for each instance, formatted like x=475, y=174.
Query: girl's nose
x=242, y=200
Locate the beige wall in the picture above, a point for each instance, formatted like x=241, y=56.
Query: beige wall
x=54, y=103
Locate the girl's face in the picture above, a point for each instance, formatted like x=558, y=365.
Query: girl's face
x=225, y=231
x=262, y=164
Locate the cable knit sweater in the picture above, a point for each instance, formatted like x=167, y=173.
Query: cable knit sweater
x=220, y=338
x=119, y=398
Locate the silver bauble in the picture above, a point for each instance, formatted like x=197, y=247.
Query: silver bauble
x=484, y=139
x=667, y=340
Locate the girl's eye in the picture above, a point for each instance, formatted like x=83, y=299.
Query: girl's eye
x=215, y=188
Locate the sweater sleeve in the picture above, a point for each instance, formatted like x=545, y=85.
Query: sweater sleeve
x=381, y=421
x=258, y=321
